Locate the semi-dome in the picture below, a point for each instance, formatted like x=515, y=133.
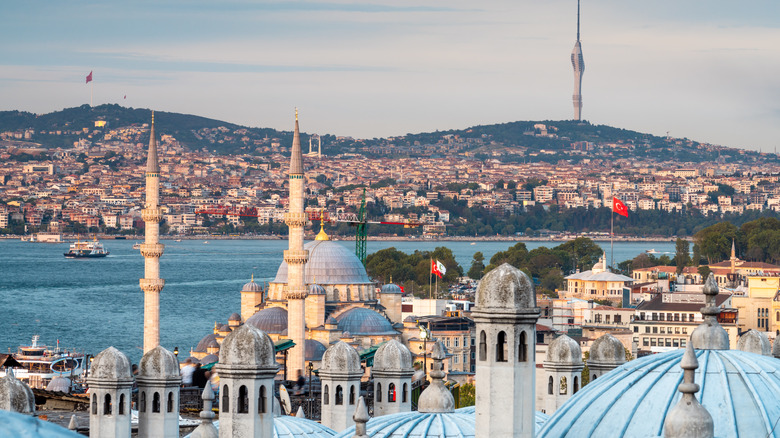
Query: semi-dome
x=159, y=363
x=564, y=350
x=23, y=425
x=234, y=317
x=247, y=346
x=270, y=320
x=111, y=364
x=15, y=395
x=340, y=358
x=329, y=263
x=739, y=389
x=204, y=342
x=754, y=341
x=505, y=287
x=392, y=356
x=539, y=417
x=362, y=321
x=607, y=350
x=314, y=350
x=391, y=289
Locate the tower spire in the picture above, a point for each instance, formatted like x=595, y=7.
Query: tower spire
x=578, y=63
x=578, y=20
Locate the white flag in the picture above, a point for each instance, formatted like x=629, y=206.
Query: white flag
x=440, y=267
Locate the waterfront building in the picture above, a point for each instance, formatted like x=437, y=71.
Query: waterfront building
x=599, y=283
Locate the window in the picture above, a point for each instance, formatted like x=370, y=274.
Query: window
x=455, y=359
x=378, y=392
x=618, y=319
x=550, y=385
x=482, y=346
x=170, y=401
x=339, y=395
x=107, y=405
x=121, y=404
x=523, y=348
x=683, y=317
x=447, y=342
x=326, y=396
x=242, y=406
x=662, y=330
x=156, y=402
x=94, y=404
x=647, y=329
x=261, y=401
x=352, y=394
x=646, y=342
x=655, y=329
x=501, y=347
x=142, y=403
x=457, y=341
x=404, y=396
x=391, y=393
x=636, y=329
x=576, y=385
x=225, y=407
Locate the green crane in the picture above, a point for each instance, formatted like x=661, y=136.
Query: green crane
x=360, y=233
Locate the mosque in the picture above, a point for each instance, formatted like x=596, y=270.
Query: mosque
x=704, y=391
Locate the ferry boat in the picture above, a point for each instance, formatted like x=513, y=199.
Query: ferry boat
x=41, y=364
x=86, y=250
x=137, y=245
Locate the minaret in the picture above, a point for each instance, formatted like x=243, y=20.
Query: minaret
x=152, y=249
x=296, y=258
x=579, y=67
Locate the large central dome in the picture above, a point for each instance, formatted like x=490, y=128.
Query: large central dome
x=329, y=263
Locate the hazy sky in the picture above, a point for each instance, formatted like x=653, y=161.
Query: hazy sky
x=704, y=69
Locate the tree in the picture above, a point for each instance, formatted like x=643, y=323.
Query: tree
x=467, y=395
x=641, y=261
x=477, y=266
x=682, y=254
x=715, y=241
x=704, y=271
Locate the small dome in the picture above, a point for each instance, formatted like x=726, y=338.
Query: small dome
x=341, y=358
x=417, y=425
x=362, y=321
x=111, y=364
x=331, y=321
x=251, y=287
x=392, y=356
x=209, y=358
x=248, y=346
x=564, y=350
x=224, y=328
x=212, y=344
x=314, y=350
x=204, y=343
x=59, y=384
x=539, y=417
x=316, y=289
x=754, y=341
x=23, y=425
x=15, y=395
x=159, y=363
x=234, y=317
x=286, y=426
x=329, y=263
x=505, y=287
x=607, y=350
x=391, y=289
x=270, y=320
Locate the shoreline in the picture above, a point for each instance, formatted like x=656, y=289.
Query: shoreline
x=566, y=238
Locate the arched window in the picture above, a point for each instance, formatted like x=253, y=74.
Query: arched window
x=242, y=405
x=121, y=409
x=261, y=401
x=404, y=397
x=550, y=385
x=94, y=404
x=777, y=317
x=326, y=396
x=107, y=405
x=522, y=348
x=482, y=346
x=391, y=392
x=156, y=402
x=501, y=355
x=564, y=387
x=170, y=401
x=225, y=399
x=576, y=385
x=378, y=392
x=142, y=402
x=352, y=394
x=339, y=395
x=594, y=377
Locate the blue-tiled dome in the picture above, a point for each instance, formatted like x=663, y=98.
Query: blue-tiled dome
x=329, y=263
x=22, y=425
x=417, y=425
x=539, y=417
x=270, y=320
x=739, y=390
x=391, y=289
x=362, y=321
x=286, y=426
x=314, y=350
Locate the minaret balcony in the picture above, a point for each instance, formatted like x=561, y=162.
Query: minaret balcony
x=152, y=249
x=151, y=215
x=295, y=219
x=296, y=257
x=295, y=294
x=152, y=284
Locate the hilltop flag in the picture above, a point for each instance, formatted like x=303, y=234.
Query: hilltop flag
x=89, y=77
x=619, y=207
x=438, y=268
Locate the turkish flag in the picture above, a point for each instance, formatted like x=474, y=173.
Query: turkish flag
x=619, y=207
x=435, y=268
x=89, y=77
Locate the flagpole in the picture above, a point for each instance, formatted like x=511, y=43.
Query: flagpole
x=430, y=280
x=91, y=89
x=612, y=236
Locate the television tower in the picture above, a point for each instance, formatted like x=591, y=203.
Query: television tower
x=579, y=67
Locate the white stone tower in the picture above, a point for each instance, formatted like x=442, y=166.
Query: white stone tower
x=110, y=382
x=159, y=379
x=152, y=249
x=247, y=366
x=505, y=317
x=340, y=374
x=296, y=258
x=606, y=354
x=563, y=371
x=392, y=378
x=578, y=63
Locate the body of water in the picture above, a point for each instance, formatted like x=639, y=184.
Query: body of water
x=90, y=304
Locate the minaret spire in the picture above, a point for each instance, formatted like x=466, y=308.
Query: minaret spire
x=151, y=249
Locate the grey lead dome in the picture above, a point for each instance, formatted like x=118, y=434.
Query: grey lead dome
x=159, y=362
x=248, y=345
x=505, y=287
x=111, y=364
x=607, y=350
x=392, y=355
x=341, y=358
x=564, y=350
x=754, y=341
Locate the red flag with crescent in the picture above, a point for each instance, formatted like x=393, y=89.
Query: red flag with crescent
x=89, y=77
x=619, y=207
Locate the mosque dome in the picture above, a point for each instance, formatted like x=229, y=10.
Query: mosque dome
x=251, y=286
x=737, y=388
x=209, y=358
x=270, y=320
x=341, y=358
x=286, y=426
x=316, y=289
x=329, y=263
x=392, y=356
x=248, y=346
x=505, y=287
x=23, y=425
x=564, y=350
x=539, y=417
x=754, y=341
x=362, y=321
x=314, y=350
x=417, y=425
x=110, y=364
x=391, y=289
x=607, y=350
x=234, y=317
x=204, y=343
x=159, y=363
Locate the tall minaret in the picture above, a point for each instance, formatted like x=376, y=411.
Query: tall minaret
x=296, y=258
x=579, y=67
x=152, y=249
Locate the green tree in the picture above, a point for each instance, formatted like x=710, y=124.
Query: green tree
x=705, y=272
x=467, y=395
x=682, y=254
x=477, y=266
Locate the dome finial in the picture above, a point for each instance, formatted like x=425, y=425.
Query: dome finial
x=709, y=335
x=689, y=418
x=436, y=398
x=206, y=428
x=361, y=418
x=322, y=235
x=253, y=278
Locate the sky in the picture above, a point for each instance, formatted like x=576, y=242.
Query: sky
x=706, y=70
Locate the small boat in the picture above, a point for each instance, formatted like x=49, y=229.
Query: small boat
x=205, y=241
x=81, y=250
x=41, y=364
x=177, y=240
x=651, y=251
x=137, y=245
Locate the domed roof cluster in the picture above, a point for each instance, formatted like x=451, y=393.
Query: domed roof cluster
x=505, y=287
x=539, y=417
x=247, y=345
x=329, y=263
x=392, y=356
x=564, y=350
x=737, y=388
x=204, y=343
x=362, y=321
x=316, y=289
x=111, y=364
x=340, y=358
x=270, y=320
x=160, y=363
x=607, y=350
x=391, y=289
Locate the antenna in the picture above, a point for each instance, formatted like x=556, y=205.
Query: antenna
x=578, y=20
